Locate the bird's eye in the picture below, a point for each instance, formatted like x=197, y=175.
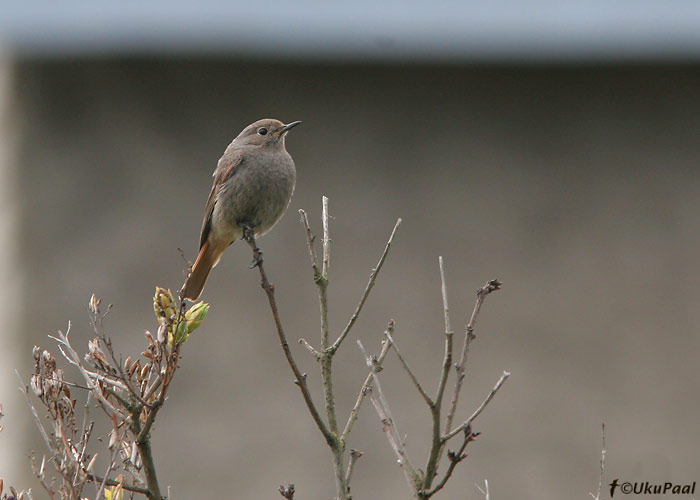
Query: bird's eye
x=262, y=131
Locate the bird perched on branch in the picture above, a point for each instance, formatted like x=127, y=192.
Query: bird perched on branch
x=253, y=184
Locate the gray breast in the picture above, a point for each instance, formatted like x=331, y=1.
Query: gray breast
x=258, y=192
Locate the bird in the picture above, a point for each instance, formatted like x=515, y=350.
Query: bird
x=253, y=186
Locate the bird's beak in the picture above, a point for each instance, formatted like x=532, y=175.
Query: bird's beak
x=288, y=127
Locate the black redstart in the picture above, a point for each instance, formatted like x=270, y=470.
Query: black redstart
x=253, y=184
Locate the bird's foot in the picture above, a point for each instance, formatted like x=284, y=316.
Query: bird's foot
x=249, y=237
x=248, y=232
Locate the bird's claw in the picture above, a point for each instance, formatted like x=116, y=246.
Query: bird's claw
x=248, y=233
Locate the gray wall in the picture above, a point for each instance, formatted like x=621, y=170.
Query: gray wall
x=577, y=186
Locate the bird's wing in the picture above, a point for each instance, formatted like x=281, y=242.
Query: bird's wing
x=228, y=164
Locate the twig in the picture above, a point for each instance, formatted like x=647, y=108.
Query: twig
x=367, y=385
x=485, y=493
x=455, y=458
x=437, y=444
x=447, y=360
x=23, y=390
x=354, y=456
x=325, y=357
x=321, y=279
x=300, y=378
x=110, y=468
x=97, y=326
x=445, y=306
x=310, y=348
x=413, y=378
x=153, y=388
x=602, y=466
x=112, y=482
x=310, y=244
x=149, y=468
x=74, y=359
x=287, y=492
x=368, y=288
x=376, y=395
x=326, y=238
x=478, y=411
x=481, y=294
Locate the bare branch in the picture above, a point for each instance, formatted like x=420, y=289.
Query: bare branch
x=367, y=385
x=112, y=482
x=455, y=458
x=478, y=411
x=89, y=377
x=300, y=378
x=602, y=466
x=310, y=348
x=486, y=491
x=491, y=286
x=445, y=305
x=437, y=444
x=447, y=359
x=413, y=378
x=326, y=238
x=310, y=244
x=376, y=395
x=23, y=390
x=325, y=355
x=354, y=456
x=368, y=288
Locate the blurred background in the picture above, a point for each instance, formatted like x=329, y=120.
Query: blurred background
x=552, y=145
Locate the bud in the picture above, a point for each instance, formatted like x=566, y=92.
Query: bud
x=95, y=355
x=182, y=334
x=195, y=315
x=115, y=492
x=192, y=320
x=164, y=305
x=161, y=333
x=113, y=438
x=144, y=372
x=94, y=304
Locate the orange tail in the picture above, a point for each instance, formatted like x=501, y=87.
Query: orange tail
x=208, y=257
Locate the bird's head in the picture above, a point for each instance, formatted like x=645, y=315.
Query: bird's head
x=265, y=132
